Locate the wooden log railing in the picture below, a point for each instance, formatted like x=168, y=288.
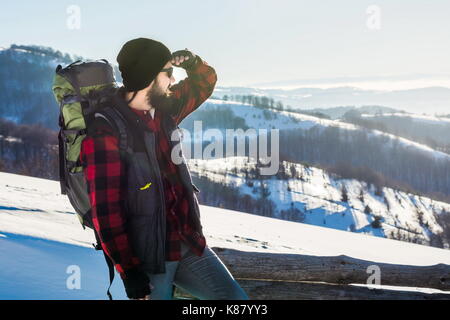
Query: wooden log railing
x=294, y=276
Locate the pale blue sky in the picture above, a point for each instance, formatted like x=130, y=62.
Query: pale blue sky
x=251, y=41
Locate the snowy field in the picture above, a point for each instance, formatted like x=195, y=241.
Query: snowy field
x=40, y=238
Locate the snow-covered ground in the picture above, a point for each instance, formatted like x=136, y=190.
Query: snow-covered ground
x=41, y=238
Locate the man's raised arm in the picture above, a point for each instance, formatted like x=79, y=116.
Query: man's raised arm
x=191, y=92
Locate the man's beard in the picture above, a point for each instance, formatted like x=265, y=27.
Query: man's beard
x=159, y=100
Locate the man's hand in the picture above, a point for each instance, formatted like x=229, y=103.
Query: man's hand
x=137, y=284
x=183, y=58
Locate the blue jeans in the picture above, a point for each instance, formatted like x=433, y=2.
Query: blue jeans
x=205, y=277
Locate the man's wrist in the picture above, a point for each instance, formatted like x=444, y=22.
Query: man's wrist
x=194, y=66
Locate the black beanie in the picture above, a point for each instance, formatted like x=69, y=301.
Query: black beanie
x=140, y=61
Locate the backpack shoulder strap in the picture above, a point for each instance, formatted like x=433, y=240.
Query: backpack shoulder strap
x=109, y=263
x=120, y=125
x=112, y=119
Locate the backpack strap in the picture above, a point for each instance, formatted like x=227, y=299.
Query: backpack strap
x=63, y=179
x=109, y=262
x=64, y=165
x=62, y=139
x=111, y=274
x=118, y=123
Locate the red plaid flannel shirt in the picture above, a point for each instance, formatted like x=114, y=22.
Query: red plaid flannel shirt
x=106, y=178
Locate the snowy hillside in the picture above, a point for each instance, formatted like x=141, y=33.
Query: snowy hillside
x=40, y=238
x=257, y=118
x=404, y=163
x=314, y=197
x=433, y=131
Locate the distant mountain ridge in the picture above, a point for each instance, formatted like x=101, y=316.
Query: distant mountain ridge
x=428, y=100
x=339, y=112
x=29, y=69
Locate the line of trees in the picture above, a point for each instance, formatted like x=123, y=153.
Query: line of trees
x=221, y=195
x=47, y=53
x=434, y=135
x=257, y=101
x=267, y=103
x=29, y=150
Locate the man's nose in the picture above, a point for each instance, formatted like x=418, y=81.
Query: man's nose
x=172, y=79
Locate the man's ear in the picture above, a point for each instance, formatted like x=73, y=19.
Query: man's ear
x=149, y=87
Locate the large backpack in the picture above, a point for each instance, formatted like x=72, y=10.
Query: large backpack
x=82, y=90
